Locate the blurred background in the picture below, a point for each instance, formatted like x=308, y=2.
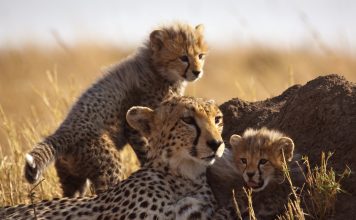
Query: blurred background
x=50, y=51
x=257, y=48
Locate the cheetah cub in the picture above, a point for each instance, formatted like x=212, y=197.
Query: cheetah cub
x=255, y=161
x=184, y=138
x=85, y=144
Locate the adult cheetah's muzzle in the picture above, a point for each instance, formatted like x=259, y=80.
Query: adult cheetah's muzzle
x=214, y=144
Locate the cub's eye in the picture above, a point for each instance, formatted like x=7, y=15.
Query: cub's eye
x=188, y=120
x=243, y=160
x=218, y=119
x=263, y=161
x=201, y=56
x=184, y=58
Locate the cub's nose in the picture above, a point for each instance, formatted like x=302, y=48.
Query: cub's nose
x=214, y=144
x=250, y=174
x=196, y=73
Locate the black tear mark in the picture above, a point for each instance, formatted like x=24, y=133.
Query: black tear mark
x=194, y=151
x=259, y=172
x=186, y=70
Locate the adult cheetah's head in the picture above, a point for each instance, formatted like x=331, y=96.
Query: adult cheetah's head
x=259, y=156
x=178, y=51
x=183, y=132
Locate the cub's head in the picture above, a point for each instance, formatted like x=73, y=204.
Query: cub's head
x=184, y=133
x=259, y=156
x=178, y=51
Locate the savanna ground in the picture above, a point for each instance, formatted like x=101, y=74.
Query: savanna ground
x=38, y=85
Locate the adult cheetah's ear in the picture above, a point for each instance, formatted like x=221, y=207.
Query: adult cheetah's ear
x=211, y=102
x=286, y=146
x=141, y=119
x=156, y=40
x=235, y=140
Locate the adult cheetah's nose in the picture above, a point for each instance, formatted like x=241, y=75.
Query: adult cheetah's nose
x=196, y=73
x=214, y=144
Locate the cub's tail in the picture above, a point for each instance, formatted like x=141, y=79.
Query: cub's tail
x=37, y=160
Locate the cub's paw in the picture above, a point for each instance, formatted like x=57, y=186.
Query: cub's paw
x=32, y=172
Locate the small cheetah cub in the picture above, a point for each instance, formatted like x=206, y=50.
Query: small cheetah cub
x=84, y=147
x=255, y=161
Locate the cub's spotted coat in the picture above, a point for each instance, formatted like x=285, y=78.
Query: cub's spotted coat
x=85, y=144
x=256, y=162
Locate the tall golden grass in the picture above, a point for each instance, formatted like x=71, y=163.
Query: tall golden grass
x=38, y=86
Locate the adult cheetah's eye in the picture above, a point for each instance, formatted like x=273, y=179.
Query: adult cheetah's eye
x=188, y=120
x=243, y=160
x=184, y=58
x=201, y=56
x=263, y=161
x=218, y=119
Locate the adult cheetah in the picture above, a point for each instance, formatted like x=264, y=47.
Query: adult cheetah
x=85, y=144
x=184, y=138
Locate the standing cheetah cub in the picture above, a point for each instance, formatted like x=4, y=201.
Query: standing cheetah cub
x=256, y=162
x=184, y=138
x=85, y=144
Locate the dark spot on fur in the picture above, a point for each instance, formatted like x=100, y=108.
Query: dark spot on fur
x=144, y=204
x=132, y=216
x=184, y=208
x=194, y=215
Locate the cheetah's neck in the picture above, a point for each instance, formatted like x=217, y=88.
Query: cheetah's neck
x=180, y=167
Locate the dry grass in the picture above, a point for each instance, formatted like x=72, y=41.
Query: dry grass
x=323, y=186
x=37, y=87
x=317, y=199
x=293, y=210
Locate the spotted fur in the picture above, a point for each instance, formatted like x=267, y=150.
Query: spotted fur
x=255, y=161
x=85, y=144
x=171, y=185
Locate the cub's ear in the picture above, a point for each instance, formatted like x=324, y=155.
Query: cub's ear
x=141, y=119
x=200, y=28
x=235, y=140
x=286, y=146
x=156, y=40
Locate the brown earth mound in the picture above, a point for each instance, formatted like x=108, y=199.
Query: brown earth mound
x=319, y=116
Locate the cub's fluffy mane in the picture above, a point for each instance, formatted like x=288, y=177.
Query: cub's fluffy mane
x=179, y=32
x=155, y=72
